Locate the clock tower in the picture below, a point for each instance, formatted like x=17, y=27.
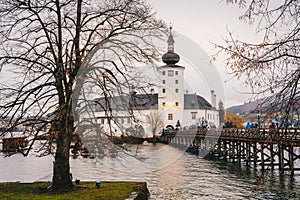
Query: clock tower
x=171, y=90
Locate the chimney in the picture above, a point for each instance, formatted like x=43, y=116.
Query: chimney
x=152, y=91
x=213, y=98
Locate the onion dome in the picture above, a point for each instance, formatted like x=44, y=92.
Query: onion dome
x=170, y=58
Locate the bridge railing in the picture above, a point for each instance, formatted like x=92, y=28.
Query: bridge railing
x=282, y=134
x=290, y=134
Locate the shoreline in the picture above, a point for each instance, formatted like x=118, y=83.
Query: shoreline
x=84, y=190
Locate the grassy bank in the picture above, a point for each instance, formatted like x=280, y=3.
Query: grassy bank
x=85, y=190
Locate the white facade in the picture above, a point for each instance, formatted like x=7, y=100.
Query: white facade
x=171, y=93
x=172, y=105
x=188, y=110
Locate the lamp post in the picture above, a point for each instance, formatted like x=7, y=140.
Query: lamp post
x=97, y=184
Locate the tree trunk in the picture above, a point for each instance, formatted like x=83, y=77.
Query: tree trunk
x=62, y=178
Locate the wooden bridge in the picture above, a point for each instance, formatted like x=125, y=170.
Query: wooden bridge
x=272, y=148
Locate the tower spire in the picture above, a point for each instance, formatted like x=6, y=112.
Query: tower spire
x=170, y=58
x=171, y=41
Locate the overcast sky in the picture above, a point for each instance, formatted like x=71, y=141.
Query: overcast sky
x=202, y=22
x=206, y=21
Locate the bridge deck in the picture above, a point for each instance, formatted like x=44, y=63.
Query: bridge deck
x=282, y=136
x=274, y=147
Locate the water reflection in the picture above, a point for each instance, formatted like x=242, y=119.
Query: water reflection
x=186, y=177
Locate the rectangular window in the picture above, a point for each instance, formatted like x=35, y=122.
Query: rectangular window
x=163, y=90
x=176, y=90
x=176, y=72
x=122, y=120
x=170, y=72
x=194, y=115
x=164, y=81
x=163, y=73
x=176, y=81
x=102, y=121
x=128, y=120
x=176, y=104
x=170, y=116
x=164, y=104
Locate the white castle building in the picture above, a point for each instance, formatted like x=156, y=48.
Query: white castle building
x=170, y=107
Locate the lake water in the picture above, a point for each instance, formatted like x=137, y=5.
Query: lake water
x=169, y=173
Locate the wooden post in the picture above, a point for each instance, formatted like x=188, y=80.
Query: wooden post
x=225, y=148
x=291, y=159
x=247, y=153
x=272, y=156
x=281, y=158
x=239, y=143
x=255, y=153
x=262, y=156
x=232, y=149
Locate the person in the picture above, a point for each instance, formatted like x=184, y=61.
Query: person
x=272, y=126
x=254, y=125
x=271, y=129
x=248, y=126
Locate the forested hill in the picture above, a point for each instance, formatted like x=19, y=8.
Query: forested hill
x=243, y=109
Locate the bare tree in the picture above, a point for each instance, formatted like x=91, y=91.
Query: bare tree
x=155, y=120
x=270, y=67
x=46, y=43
